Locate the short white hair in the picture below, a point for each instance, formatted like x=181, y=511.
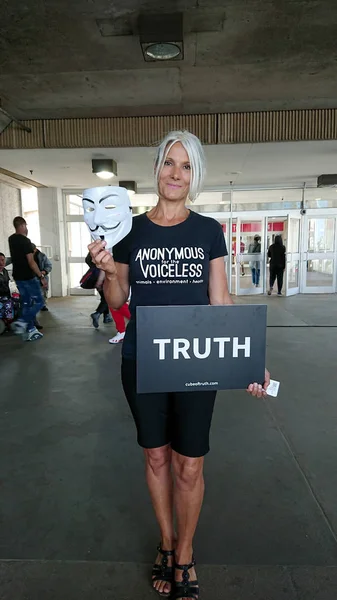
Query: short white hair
x=196, y=157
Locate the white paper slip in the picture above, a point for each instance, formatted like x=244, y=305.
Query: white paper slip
x=273, y=388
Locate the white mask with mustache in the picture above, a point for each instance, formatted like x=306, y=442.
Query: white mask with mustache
x=107, y=212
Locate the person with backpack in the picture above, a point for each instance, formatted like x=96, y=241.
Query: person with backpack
x=45, y=267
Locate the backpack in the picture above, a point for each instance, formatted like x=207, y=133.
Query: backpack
x=89, y=279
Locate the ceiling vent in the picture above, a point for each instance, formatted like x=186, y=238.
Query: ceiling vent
x=327, y=181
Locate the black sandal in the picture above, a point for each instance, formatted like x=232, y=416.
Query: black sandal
x=162, y=572
x=186, y=588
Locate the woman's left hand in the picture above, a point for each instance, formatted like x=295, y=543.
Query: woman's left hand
x=256, y=389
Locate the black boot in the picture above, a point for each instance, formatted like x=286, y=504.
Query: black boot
x=95, y=319
x=107, y=318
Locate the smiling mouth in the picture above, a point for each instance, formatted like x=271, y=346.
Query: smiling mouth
x=105, y=228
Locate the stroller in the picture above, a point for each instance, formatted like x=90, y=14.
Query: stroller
x=9, y=311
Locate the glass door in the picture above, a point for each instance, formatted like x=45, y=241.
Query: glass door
x=249, y=252
x=77, y=239
x=225, y=224
x=276, y=226
x=292, y=243
x=319, y=257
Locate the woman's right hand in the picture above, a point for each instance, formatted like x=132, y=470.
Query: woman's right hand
x=102, y=258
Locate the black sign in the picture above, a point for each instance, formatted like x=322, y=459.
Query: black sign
x=185, y=348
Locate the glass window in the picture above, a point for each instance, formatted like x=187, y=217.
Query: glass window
x=250, y=269
x=294, y=236
x=74, y=204
x=320, y=198
x=78, y=240
x=209, y=208
x=76, y=271
x=320, y=273
x=321, y=203
x=266, y=199
x=248, y=231
x=321, y=235
x=293, y=268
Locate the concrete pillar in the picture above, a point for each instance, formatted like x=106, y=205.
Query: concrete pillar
x=52, y=229
x=10, y=207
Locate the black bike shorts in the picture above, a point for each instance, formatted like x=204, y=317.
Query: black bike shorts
x=182, y=419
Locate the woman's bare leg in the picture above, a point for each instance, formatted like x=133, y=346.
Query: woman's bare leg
x=160, y=482
x=188, y=498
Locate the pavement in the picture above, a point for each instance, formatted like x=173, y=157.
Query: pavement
x=75, y=517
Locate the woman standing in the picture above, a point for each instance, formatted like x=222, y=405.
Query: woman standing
x=173, y=428
x=277, y=255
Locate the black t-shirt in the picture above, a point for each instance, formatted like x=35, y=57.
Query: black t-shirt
x=168, y=265
x=277, y=255
x=20, y=246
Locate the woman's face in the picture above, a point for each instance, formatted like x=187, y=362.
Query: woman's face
x=2, y=263
x=175, y=176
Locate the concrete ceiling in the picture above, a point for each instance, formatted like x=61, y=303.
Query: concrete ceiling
x=273, y=164
x=239, y=55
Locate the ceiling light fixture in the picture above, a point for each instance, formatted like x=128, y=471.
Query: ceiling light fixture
x=131, y=186
x=163, y=51
x=161, y=37
x=105, y=168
